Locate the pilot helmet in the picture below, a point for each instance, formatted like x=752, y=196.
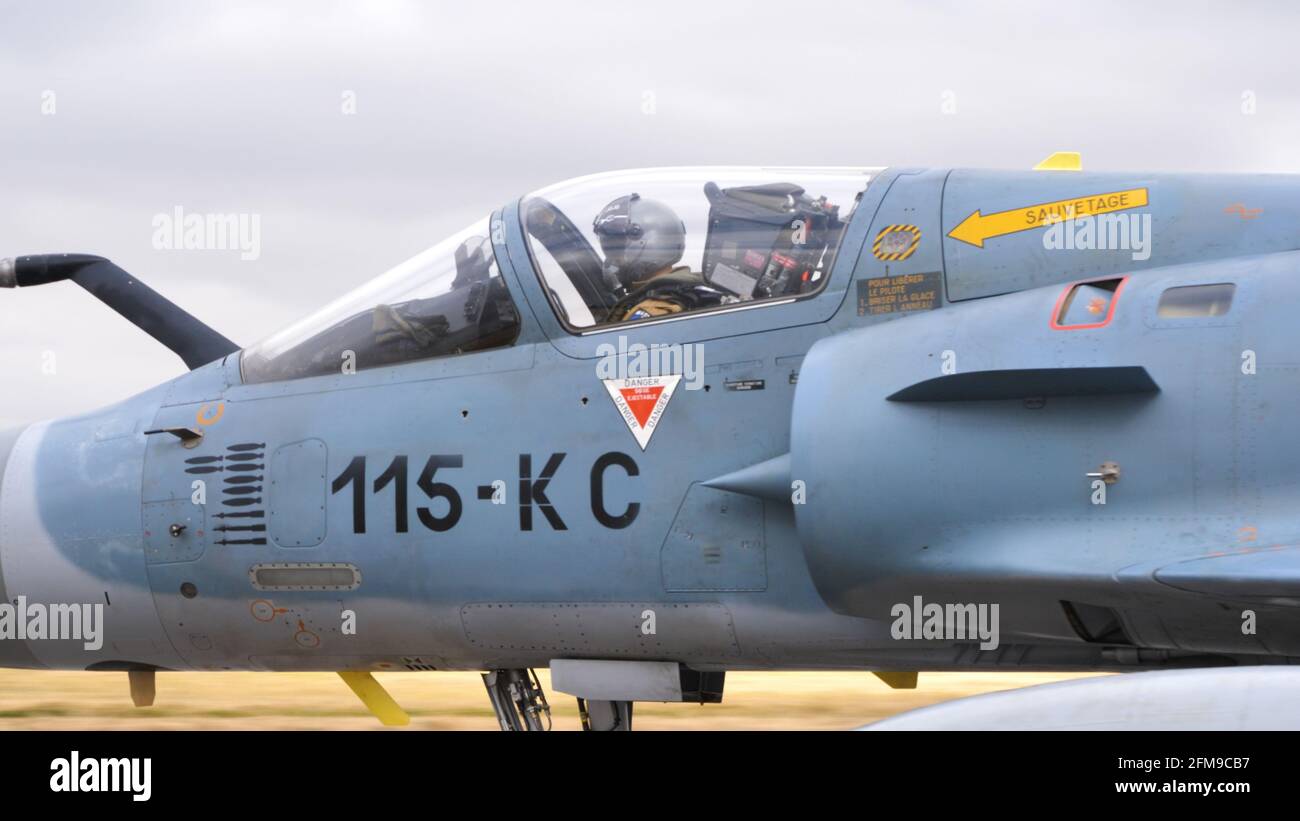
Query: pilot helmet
x=639, y=237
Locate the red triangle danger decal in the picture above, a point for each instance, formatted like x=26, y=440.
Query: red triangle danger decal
x=641, y=402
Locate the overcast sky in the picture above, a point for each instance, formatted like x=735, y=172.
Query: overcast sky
x=113, y=113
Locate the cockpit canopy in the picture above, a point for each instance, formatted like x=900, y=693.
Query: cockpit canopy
x=630, y=245
x=448, y=300
x=608, y=248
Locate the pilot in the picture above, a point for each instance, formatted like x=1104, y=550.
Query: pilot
x=643, y=241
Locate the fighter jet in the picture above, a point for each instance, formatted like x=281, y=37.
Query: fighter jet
x=647, y=427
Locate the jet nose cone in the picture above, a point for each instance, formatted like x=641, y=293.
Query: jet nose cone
x=13, y=651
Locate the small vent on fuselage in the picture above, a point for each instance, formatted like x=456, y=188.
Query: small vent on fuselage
x=1096, y=625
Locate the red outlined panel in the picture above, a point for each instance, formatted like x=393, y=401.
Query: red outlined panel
x=1061, y=302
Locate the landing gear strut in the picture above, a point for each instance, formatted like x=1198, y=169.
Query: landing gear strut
x=518, y=699
x=520, y=704
x=605, y=715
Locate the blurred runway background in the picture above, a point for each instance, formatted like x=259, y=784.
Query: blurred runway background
x=58, y=700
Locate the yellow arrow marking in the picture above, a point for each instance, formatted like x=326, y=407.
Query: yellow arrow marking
x=978, y=227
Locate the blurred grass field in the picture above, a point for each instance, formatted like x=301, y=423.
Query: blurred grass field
x=57, y=700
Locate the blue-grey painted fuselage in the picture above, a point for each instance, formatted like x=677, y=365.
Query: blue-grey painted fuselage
x=964, y=404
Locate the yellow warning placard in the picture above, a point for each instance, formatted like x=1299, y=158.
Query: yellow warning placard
x=899, y=294
x=978, y=227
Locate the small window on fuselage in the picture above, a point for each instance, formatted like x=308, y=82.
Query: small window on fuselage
x=1193, y=301
x=1087, y=305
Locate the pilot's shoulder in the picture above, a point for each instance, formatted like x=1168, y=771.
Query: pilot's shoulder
x=652, y=306
x=681, y=275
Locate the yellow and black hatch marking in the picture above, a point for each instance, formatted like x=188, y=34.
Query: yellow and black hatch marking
x=896, y=242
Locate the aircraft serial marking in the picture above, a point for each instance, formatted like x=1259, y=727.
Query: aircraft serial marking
x=532, y=491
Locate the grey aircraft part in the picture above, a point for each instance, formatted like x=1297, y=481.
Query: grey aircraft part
x=1237, y=698
x=877, y=392
x=195, y=343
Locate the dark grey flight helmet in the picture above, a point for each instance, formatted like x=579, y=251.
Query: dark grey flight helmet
x=639, y=236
